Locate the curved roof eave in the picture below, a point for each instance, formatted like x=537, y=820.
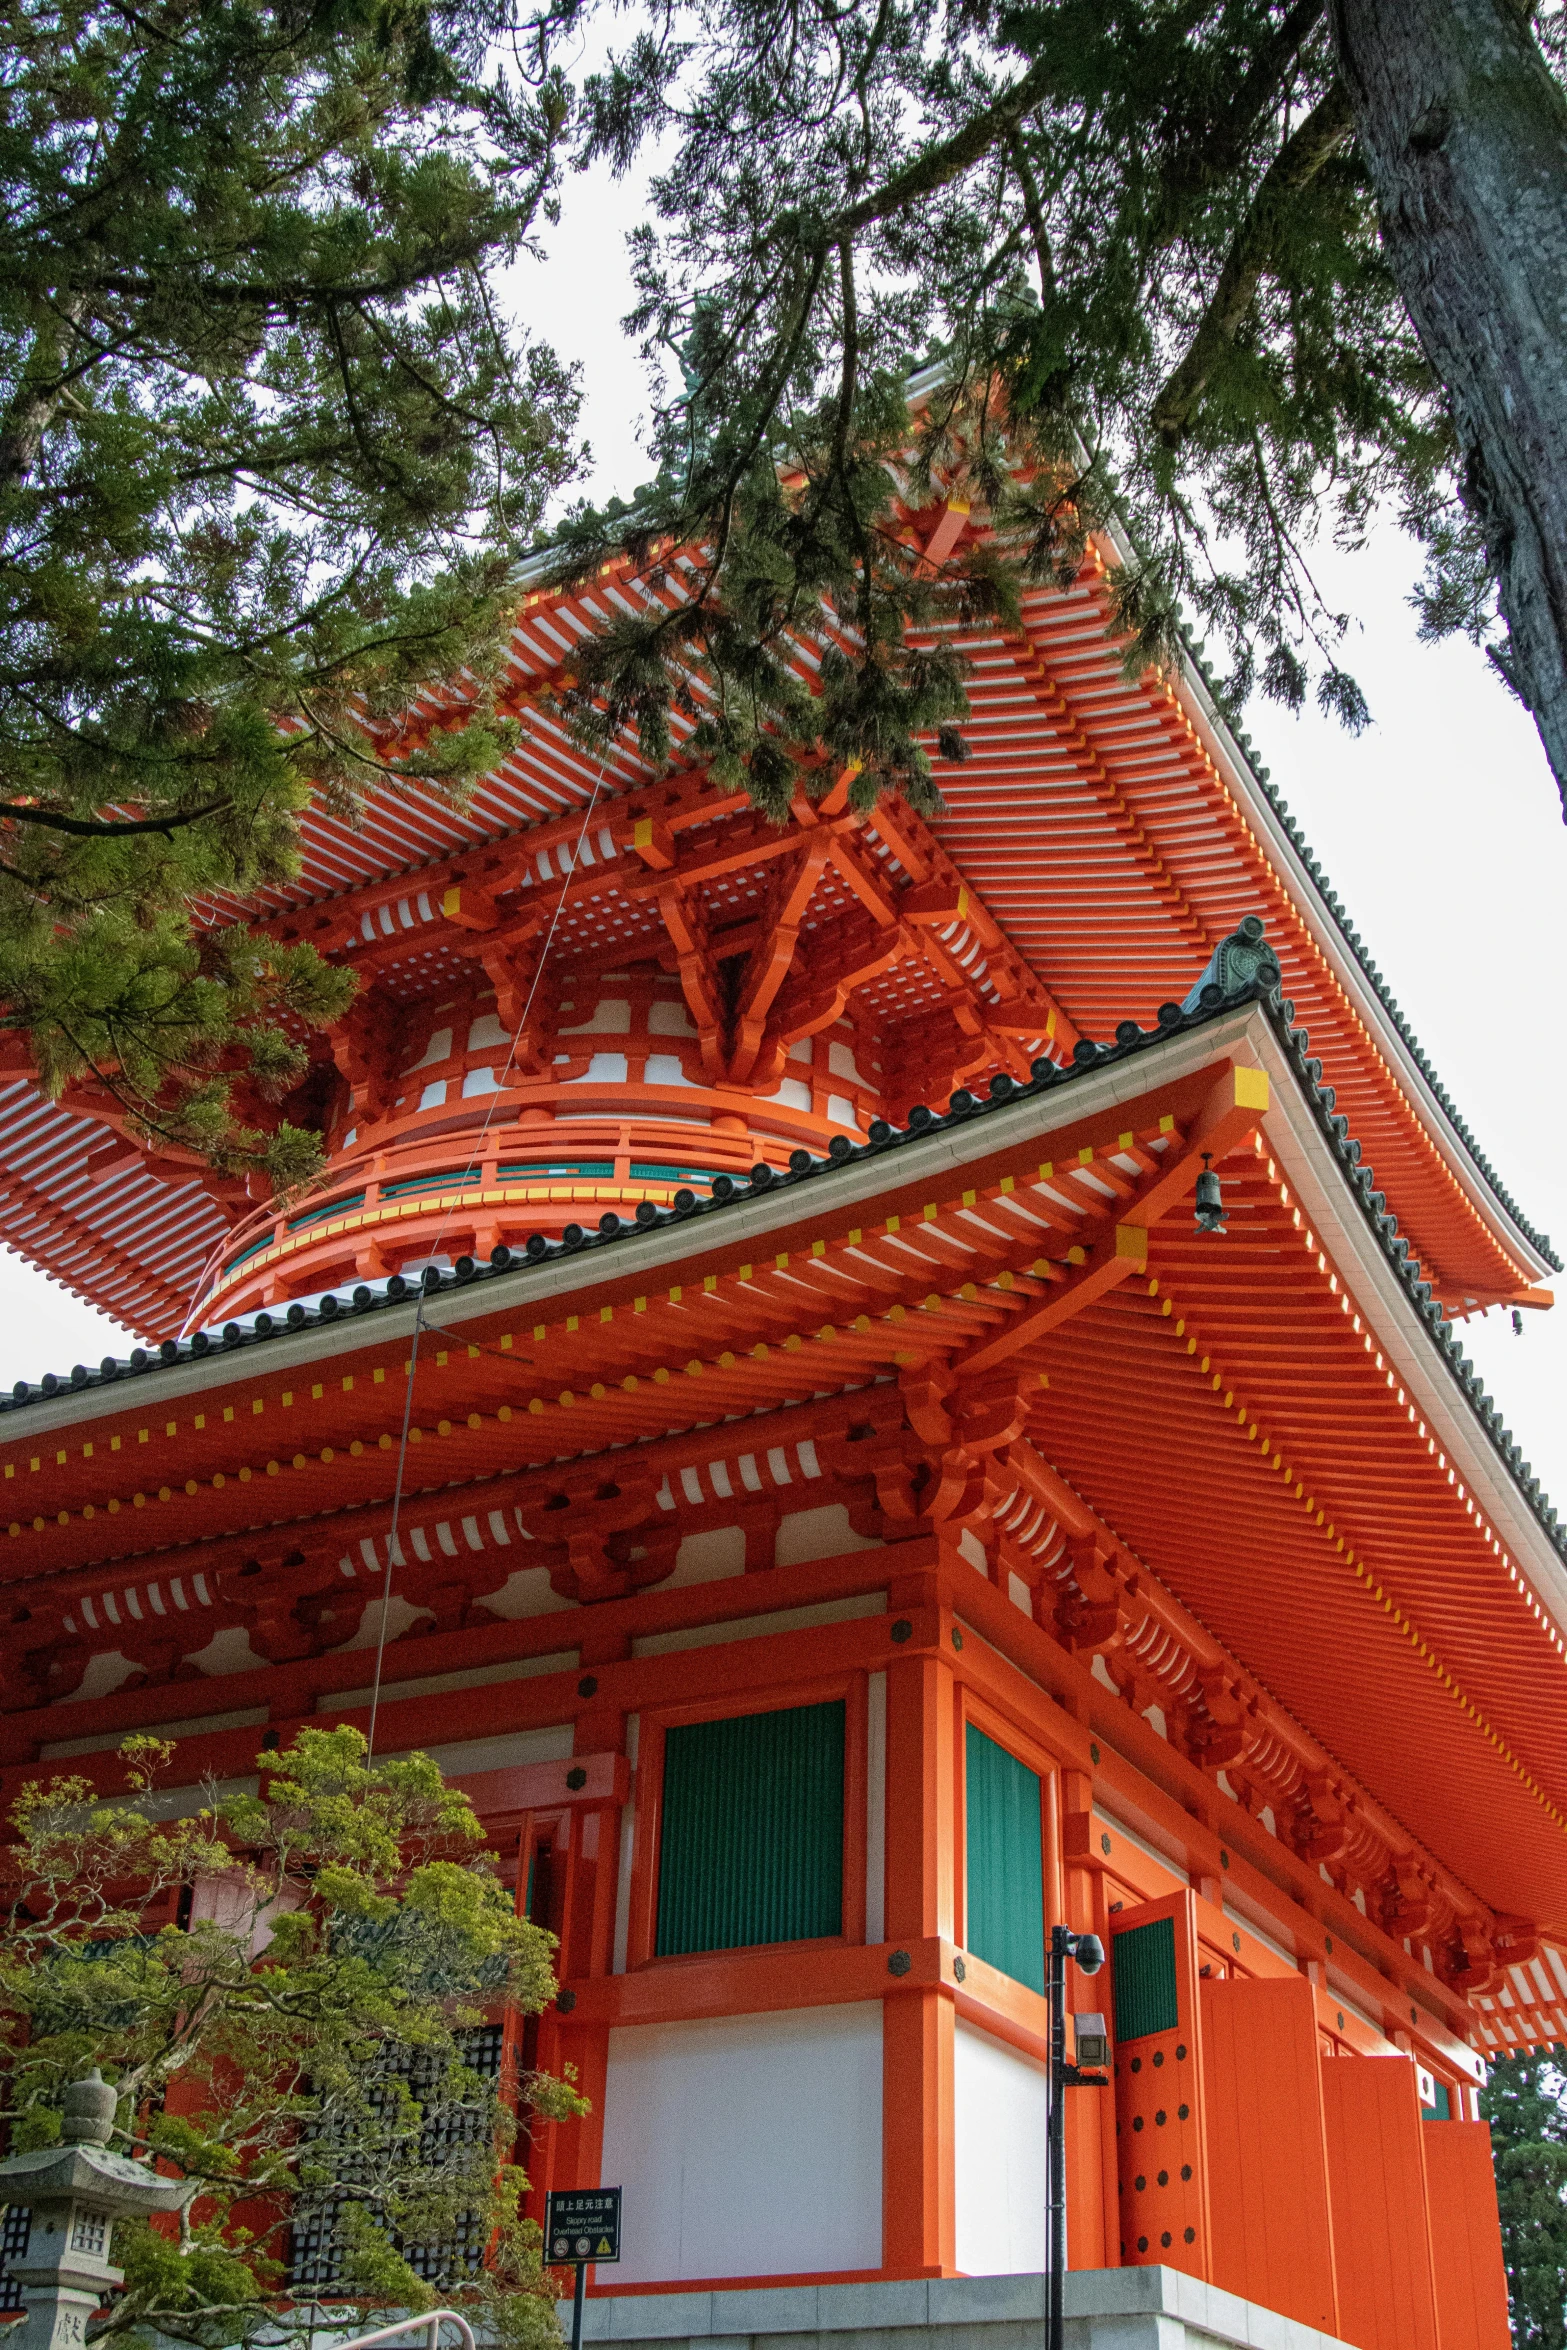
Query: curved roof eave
x=1321, y=910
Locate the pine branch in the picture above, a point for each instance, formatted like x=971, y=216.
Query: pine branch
x=1324, y=131
x=99, y=828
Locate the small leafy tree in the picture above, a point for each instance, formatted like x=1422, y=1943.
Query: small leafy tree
x=291, y=2046
x=1525, y=2102
x=268, y=451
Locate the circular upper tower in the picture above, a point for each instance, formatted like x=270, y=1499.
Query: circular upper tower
x=586, y=1017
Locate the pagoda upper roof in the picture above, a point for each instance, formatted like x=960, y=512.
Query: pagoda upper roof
x=1114, y=828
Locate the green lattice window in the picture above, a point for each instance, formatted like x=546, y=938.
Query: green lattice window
x=751, y=1847
x=1004, y=1850
x=1143, y=1972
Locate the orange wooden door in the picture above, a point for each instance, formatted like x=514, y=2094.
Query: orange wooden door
x=1377, y=2190
x=1268, y=2211
x=1466, y=2236
x=1158, y=2086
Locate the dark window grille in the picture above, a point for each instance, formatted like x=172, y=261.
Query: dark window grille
x=1142, y=1970
x=751, y=1847
x=15, y=2229
x=1005, y=1861
x=448, y=2130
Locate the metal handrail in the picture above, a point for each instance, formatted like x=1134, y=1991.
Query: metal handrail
x=432, y=2319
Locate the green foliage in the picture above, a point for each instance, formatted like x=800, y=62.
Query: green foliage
x=1525, y=2102
x=266, y=458
x=799, y=550
x=1142, y=235
x=301, y=2044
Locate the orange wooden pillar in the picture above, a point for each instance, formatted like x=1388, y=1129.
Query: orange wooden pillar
x=917, y=2035
x=1078, y=1896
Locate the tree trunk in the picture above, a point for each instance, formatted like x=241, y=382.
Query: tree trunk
x=1464, y=131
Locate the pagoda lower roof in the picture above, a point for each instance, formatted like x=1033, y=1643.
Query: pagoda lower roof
x=1276, y=1420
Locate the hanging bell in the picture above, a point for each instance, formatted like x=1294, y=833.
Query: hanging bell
x=1210, y=1199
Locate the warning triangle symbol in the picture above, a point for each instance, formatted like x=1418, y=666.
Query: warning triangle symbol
x=603, y=2243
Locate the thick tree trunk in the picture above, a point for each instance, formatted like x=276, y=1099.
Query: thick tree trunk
x=1465, y=134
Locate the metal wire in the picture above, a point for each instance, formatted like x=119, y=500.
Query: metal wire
x=393, y=1559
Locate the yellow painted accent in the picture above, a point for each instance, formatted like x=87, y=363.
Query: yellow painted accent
x=962, y=903
x=782, y=1260
x=1131, y=1240
x=855, y=1237
x=1076, y=1255
x=1251, y=1089
x=1009, y=1183
x=1085, y=1157
x=505, y=1346
x=642, y=833
x=969, y=1199
x=674, y=1297
x=440, y=1364
x=606, y=1313
x=931, y=1211
x=1047, y=1168
x=1167, y=1125
x=893, y=1223
x=451, y=902
x=571, y=1321
x=818, y=1248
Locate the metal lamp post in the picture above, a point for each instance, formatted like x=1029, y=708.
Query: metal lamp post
x=75, y=2192
x=1089, y=1953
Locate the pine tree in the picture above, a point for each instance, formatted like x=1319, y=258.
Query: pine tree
x=1241, y=273
x=266, y=456
x=1525, y=2102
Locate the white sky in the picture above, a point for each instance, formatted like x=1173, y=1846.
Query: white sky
x=1440, y=830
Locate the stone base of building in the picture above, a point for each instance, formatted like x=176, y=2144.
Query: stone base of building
x=1106, y=2309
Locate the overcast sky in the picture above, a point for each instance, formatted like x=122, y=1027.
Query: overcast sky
x=1440, y=828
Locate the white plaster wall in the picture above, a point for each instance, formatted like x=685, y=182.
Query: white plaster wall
x=999, y=2156
x=747, y=2146
x=503, y=1752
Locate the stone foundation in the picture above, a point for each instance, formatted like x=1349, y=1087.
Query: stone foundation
x=1106, y=2309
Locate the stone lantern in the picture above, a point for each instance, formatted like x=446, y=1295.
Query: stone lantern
x=75, y=2192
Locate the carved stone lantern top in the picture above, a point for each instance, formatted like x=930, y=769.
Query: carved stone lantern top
x=75, y=2192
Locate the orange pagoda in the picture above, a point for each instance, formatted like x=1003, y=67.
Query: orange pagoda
x=864, y=1507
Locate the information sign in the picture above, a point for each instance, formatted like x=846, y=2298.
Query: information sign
x=582, y=2224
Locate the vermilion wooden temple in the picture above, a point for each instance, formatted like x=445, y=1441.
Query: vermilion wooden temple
x=855, y=1516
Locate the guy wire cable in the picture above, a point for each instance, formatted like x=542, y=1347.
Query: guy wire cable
x=393, y=1556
